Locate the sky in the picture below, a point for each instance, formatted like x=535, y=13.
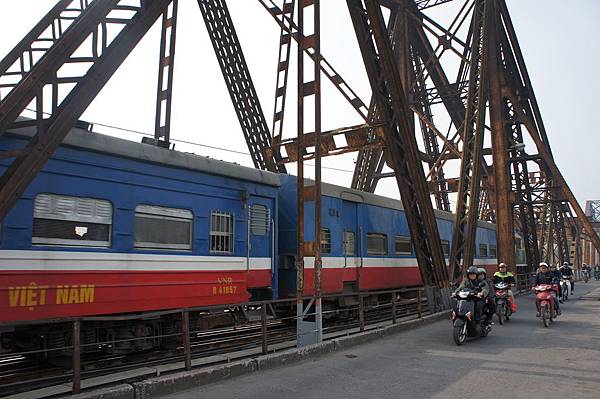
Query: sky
x=559, y=43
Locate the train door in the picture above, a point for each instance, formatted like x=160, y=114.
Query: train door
x=351, y=240
x=260, y=260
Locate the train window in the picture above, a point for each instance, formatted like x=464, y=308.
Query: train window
x=349, y=245
x=325, y=241
x=71, y=221
x=483, y=250
x=376, y=244
x=446, y=247
x=493, y=251
x=403, y=245
x=158, y=227
x=259, y=219
x=221, y=232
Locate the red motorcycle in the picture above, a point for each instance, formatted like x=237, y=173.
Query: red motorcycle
x=504, y=306
x=545, y=295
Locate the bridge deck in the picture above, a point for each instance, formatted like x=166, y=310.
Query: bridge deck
x=521, y=359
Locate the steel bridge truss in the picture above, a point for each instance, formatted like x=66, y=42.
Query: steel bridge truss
x=404, y=52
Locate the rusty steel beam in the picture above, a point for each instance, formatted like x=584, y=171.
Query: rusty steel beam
x=285, y=16
x=402, y=149
x=23, y=169
x=309, y=193
x=166, y=60
x=22, y=52
x=468, y=197
x=34, y=76
x=524, y=212
x=449, y=92
x=356, y=138
x=429, y=132
x=290, y=27
x=421, y=4
x=522, y=188
x=228, y=51
x=592, y=210
x=370, y=162
x=504, y=206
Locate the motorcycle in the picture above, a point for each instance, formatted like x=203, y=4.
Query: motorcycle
x=597, y=275
x=502, y=301
x=544, y=296
x=565, y=286
x=586, y=276
x=464, y=318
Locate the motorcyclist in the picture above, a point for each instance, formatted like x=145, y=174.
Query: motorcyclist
x=544, y=276
x=472, y=282
x=586, y=269
x=504, y=276
x=490, y=306
x=596, y=271
x=567, y=273
x=556, y=275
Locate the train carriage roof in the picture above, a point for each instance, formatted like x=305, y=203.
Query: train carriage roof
x=87, y=140
x=353, y=195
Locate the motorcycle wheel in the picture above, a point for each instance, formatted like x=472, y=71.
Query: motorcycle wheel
x=460, y=334
x=500, y=311
x=546, y=317
x=484, y=330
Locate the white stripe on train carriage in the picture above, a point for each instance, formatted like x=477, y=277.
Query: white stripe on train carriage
x=103, y=261
x=333, y=262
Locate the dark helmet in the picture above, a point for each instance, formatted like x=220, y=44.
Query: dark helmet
x=481, y=270
x=473, y=270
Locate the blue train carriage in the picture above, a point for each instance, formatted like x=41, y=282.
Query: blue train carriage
x=111, y=226
x=365, y=241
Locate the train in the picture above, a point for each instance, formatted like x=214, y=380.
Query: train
x=112, y=227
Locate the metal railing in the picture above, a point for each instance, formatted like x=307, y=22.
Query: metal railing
x=267, y=326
